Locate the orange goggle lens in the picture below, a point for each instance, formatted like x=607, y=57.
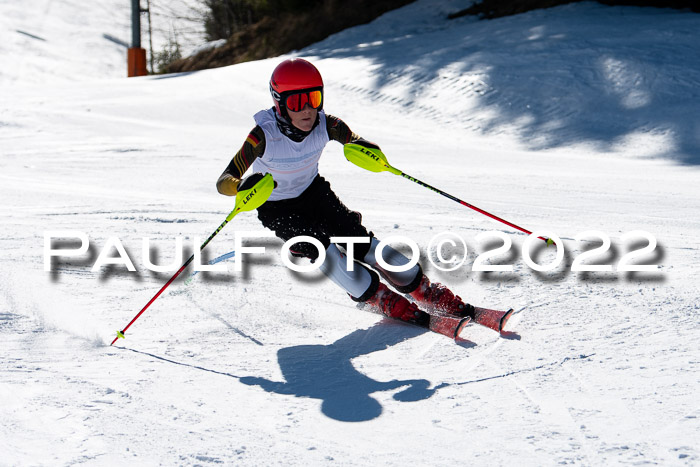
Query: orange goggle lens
x=296, y=102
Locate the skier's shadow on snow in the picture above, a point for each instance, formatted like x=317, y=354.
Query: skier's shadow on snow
x=326, y=372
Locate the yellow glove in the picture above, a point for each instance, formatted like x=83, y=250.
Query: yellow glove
x=227, y=185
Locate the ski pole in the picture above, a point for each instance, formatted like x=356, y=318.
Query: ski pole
x=374, y=160
x=247, y=199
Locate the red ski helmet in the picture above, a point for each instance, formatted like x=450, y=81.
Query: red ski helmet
x=294, y=83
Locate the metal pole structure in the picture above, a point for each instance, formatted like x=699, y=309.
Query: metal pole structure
x=135, y=23
x=136, y=55
x=150, y=33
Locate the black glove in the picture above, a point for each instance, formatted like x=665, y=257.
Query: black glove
x=250, y=181
x=368, y=144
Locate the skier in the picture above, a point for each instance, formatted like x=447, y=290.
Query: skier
x=287, y=142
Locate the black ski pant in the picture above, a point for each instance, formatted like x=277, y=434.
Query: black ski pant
x=318, y=213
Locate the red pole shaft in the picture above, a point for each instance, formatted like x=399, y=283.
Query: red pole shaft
x=206, y=242
x=155, y=296
x=464, y=203
x=496, y=218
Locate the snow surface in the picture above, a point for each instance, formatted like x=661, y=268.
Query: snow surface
x=576, y=118
x=68, y=40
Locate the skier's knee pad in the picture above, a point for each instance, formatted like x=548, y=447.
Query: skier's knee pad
x=360, y=283
x=403, y=281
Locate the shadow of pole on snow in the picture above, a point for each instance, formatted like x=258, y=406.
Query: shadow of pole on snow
x=326, y=372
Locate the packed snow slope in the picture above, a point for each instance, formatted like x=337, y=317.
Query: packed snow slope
x=49, y=40
x=564, y=120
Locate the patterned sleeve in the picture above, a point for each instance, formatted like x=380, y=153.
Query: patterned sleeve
x=253, y=147
x=339, y=131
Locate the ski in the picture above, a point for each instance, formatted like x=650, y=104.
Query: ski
x=441, y=323
x=446, y=325
x=436, y=299
x=451, y=325
x=492, y=319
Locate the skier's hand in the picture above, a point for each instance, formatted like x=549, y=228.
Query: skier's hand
x=228, y=185
x=365, y=143
x=250, y=181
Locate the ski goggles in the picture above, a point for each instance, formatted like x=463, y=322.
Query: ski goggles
x=297, y=101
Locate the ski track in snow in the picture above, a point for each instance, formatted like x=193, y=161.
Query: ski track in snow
x=568, y=119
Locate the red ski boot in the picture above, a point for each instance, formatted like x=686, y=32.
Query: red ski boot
x=389, y=303
x=441, y=299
